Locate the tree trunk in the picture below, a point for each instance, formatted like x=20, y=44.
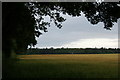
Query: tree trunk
x=11, y=52
x=13, y=49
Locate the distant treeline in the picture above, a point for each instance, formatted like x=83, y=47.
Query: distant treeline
x=72, y=51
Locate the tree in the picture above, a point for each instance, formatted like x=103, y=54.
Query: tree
x=18, y=28
x=22, y=22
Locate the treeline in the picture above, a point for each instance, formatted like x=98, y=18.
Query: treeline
x=72, y=51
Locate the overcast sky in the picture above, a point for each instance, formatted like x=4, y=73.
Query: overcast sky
x=77, y=32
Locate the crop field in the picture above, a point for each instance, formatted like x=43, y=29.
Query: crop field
x=64, y=66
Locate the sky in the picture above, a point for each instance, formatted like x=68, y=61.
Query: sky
x=77, y=32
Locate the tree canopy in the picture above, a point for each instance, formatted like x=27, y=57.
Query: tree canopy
x=23, y=21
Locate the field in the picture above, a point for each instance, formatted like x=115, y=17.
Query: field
x=64, y=66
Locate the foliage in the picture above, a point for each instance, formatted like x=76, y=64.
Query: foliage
x=18, y=27
x=73, y=51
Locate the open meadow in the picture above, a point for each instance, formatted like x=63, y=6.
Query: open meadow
x=64, y=66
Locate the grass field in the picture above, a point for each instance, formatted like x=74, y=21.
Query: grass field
x=64, y=66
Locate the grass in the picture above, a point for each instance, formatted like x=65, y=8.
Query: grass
x=63, y=66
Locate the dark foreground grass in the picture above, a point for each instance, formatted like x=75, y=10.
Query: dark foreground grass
x=63, y=66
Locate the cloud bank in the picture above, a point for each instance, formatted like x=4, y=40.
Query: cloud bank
x=77, y=32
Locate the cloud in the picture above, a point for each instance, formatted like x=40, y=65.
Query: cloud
x=78, y=32
x=92, y=43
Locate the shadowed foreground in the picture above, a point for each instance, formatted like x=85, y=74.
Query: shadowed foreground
x=64, y=66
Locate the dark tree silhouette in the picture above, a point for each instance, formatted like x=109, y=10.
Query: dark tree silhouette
x=23, y=21
x=18, y=28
